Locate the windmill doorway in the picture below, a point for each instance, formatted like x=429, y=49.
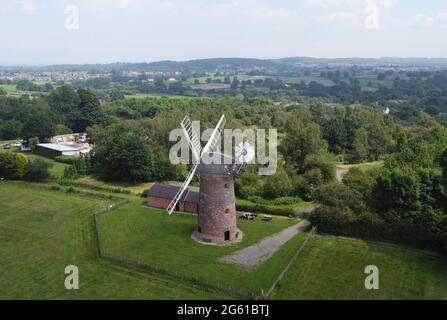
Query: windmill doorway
x=227, y=235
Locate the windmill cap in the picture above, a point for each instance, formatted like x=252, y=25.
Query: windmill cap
x=217, y=164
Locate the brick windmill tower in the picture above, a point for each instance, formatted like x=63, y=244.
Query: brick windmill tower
x=217, y=205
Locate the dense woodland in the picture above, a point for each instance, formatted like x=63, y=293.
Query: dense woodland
x=405, y=197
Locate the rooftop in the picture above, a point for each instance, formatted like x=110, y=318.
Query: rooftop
x=56, y=147
x=168, y=192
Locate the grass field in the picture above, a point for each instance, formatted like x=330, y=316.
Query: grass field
x=43, y=231
x=152, y=236
x=333, y=268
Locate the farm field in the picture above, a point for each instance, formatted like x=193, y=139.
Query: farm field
x=43, y=231
x=153, y=237
x=333, y=268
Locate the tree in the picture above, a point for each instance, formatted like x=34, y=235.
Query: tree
x=359, y=151
x=10, y=129
x=277, y=185
x=3, y=92
x=22, y=164
x=8, y=166
x=247, y=185
x=38, y=122
x=88, y=113
x=301, y=141
x=125, y=157
x=63, y=101
x=322, y=162
x=33, y=142
x=37, y=171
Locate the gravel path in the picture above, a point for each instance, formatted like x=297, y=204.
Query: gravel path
x=264, y=249
x=341, y=174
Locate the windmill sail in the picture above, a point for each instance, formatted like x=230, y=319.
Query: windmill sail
x=192, y=138
x=194, y=142
x=215, y=136
x=182, y=190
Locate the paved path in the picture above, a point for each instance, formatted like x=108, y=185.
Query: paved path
x=264, y=249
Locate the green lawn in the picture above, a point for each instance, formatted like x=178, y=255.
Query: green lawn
x=43, y=231
x=333, y=268
x=154, y=237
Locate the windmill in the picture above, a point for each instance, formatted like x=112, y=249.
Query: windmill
x=217, y=206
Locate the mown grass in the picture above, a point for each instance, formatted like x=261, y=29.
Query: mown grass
x=151, y=236
x=43, y=231
x=333, y=268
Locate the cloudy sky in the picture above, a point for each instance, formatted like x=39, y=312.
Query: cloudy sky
x=101, y=31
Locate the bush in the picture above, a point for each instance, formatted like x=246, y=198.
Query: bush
x=278, y=185
x=12, y=166
x=37, y=171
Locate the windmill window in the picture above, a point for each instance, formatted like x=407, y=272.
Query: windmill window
x=200, y=230
x=227, y=210
x=226, y=186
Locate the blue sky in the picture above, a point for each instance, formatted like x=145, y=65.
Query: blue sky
x=34, y=31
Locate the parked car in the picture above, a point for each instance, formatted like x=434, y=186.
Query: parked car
x=7, y=146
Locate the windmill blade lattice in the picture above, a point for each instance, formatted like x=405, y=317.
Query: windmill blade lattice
x=194, y=143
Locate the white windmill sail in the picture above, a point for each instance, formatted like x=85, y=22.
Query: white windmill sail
x=194, y=143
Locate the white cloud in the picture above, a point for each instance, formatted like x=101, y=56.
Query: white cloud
x=427, y=21
x=28, y=7
x=241, y=9
x=107, y=6
x=352, y=11
x=442, y=18
x=423, y=20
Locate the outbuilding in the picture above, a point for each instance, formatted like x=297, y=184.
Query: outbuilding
x=52, y=150
x=160, y=196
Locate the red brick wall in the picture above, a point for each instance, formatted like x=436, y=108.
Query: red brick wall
x=190, y=207
x=214, y=199
x=158, y=202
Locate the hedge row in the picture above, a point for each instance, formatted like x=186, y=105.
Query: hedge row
x=371, y=227
x=93, y=187
x=66, y=159
x=261, y=208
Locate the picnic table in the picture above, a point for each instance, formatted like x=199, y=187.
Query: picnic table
x=267, y=217
x=248, y=216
